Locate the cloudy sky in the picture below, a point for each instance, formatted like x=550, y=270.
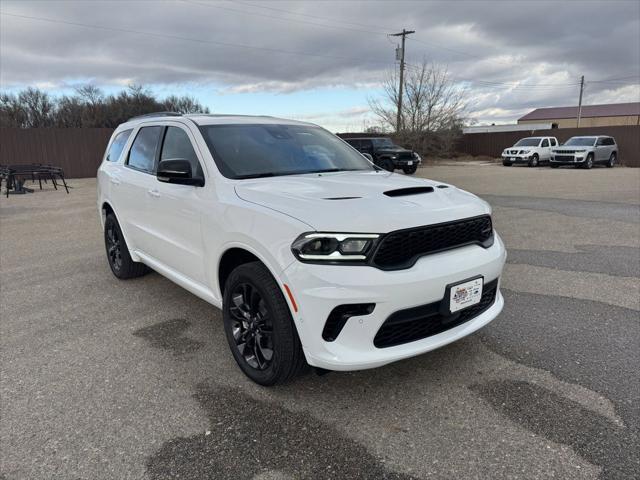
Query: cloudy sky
x=321, y=60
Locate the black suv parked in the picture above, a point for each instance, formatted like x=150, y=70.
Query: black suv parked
x=385, y=154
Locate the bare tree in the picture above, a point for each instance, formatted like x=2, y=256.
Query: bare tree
x=433, y=106
x=184, y=104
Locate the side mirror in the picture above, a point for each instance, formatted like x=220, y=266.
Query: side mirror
x=368, y=156
x=177, y=171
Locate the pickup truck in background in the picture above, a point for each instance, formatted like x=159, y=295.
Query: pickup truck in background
x=531, y=150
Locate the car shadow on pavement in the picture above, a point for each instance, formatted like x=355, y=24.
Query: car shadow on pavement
x=592, y=436
x=250, y=438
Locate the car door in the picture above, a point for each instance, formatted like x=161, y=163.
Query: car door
x=545, y=150
x=136, y=180
x=176, y=210
x=600, y=150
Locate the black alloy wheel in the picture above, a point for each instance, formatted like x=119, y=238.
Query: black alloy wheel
x=612, y=160
x=120, y=261
x=114, y=247
x=259, y=326
x=251, y=326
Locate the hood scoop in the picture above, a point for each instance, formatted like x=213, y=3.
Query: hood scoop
x=402, y=192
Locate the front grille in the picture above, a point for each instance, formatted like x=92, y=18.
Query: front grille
x=402, y=248
x=426, y=320
x=405, y=156
x=564, y=158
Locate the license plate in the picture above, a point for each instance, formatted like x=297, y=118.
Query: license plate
x=465, y=294
x=513, y=159
x=409, y=163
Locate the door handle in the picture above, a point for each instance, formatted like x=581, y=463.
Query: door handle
x=115, y=181
x=153, y=193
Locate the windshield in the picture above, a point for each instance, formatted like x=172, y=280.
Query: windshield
x=252, y=151
x=581, y=141
x=383, y=142
x=528, y=142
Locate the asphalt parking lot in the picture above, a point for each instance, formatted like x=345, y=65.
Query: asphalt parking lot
x=109, y=379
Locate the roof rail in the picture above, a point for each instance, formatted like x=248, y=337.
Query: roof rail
x=156, y=114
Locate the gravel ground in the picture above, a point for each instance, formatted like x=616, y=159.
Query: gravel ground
x=104, y=379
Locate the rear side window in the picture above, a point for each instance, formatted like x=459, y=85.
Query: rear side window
x=116, y=147
x=176, y=146
x=553, y=142
x=609, y=141
x=142, y=155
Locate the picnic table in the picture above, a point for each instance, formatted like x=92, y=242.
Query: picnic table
x=14, y=177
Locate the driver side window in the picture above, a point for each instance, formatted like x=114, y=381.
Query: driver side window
x=177, y=145
x=545, y=143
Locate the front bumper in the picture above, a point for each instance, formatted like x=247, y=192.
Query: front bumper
x=568, y=159
x=516, y=158
x=318, y=289
x=406, y=163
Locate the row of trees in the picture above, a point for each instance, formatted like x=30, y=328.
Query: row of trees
x=87, y=107
x=433, y=109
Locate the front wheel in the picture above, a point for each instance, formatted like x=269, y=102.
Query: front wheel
x=259, y=327
x=533, y=162
x=588, y=164
x=388, y=165
x=410, y=169
x=612, y=160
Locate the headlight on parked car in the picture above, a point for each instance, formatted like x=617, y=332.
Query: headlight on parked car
x=334, y=247
x=416, y=156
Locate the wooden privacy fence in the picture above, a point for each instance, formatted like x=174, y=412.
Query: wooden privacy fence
x=492, y=144
x=78, y=151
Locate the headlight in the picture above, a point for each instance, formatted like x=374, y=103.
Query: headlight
x=416, y=156
x=334, y=247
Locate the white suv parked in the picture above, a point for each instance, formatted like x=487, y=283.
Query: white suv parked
x=531, y=150
x=313, y=254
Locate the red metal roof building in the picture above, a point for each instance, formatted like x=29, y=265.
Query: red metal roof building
x=591, y=116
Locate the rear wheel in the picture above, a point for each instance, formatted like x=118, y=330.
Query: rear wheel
x=388, y=165
x=534, y=161
x=259, y=327
x=612, y=160
x=118, y=256
x=410, y=169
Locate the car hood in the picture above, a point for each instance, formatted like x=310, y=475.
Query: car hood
x=356, y=201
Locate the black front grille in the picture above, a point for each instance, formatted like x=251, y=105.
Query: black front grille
x=564, y=158
x=426, y=320
x=405, y=156
x=402, y=248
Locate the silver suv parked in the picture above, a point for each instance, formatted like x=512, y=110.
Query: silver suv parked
x=586, y=152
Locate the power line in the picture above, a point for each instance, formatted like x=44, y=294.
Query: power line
x=187, y=39
x=287, y=20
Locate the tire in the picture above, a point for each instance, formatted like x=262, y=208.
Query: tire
x=588, y=163
x=259, y=327
x=612, y=160
x=387, y=164
x=117, y=250
x=506, y=164
x=535, y=160
x=410, y=170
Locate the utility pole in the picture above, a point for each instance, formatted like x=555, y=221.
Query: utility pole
x=580, y=101
x=403, y=34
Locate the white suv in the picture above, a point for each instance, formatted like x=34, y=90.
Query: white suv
x=313, y=254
